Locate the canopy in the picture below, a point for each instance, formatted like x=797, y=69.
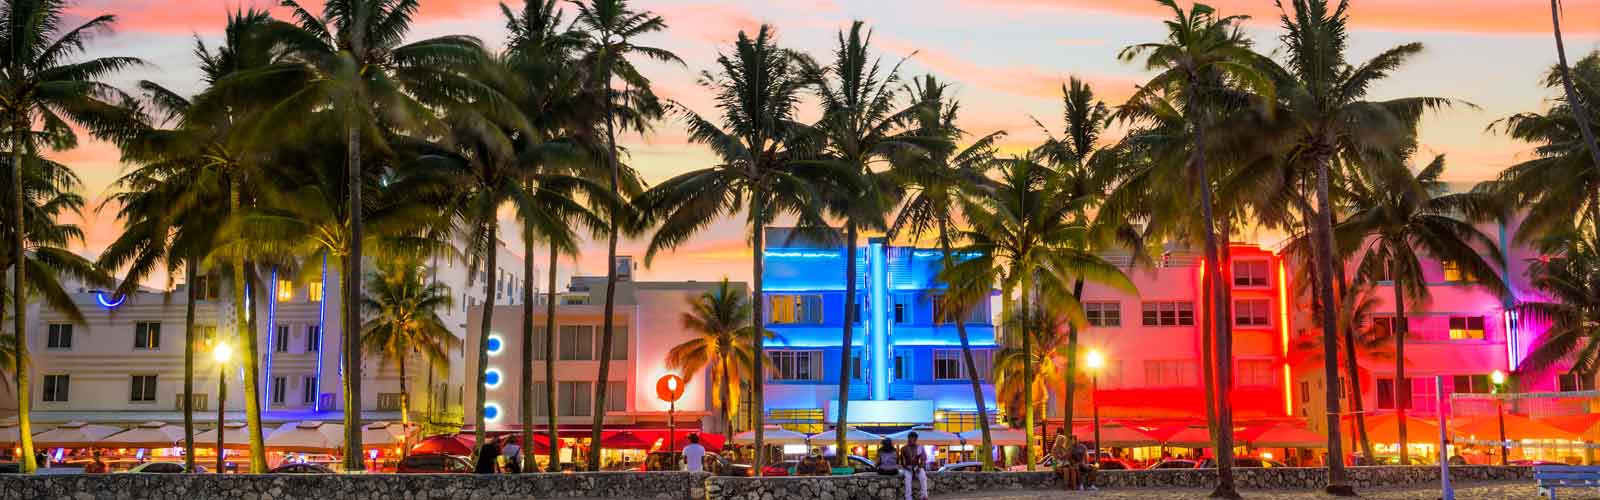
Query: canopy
x=771, y=435
x=309, y=436
x=1517, y=427
x=382, y=434
x=1586, y=425
x=1190, y=437
x=10, y=434
x=624, y=440
x=854, y=436
x=1288, y=436
x=1385, y=428
x=73, y=435
x=999, y=437
x=145, y=435
x=459, y=445
x=234, y=436
x=541, y=442
x=1120, y=436
x=659, y=442
x=925, y=436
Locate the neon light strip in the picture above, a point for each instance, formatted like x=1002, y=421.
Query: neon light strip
x=1288, y=403
x=877, y=314
x=1508, y=319
x=322, y=330
x=272, y=328
x=1283, y=336
x=803, y=255
x=109, y=304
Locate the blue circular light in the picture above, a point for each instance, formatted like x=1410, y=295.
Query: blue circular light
x=491, y=378
x=491, y=412
x=495, y=343
x=100, y=297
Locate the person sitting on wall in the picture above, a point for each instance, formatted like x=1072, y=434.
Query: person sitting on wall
x=913, y=460
x=1080, y=464
x=887, y=464
x=1059, y=452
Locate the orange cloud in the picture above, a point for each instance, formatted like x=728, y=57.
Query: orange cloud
x=1027, y=81
x=1477, y=16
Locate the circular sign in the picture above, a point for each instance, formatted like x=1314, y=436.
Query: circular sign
x=669, y=387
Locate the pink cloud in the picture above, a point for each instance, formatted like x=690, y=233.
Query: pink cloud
x=1477, y=16
x=1026, y=80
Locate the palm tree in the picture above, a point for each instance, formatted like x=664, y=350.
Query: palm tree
x=861, y=126
x=756, y=145
x=1570, y=89
x=1025, y=372
x=612, y=28
x=1570, y=277
x=1024, y=237
x=724, y=341
x=1395, y=215
x=1203, y=52
x=1559, y=187
x=933, y=183
x=45, y=87
x=1329, y=119
x=402, y=305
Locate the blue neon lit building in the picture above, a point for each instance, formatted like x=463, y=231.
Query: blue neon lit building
x=907, y=370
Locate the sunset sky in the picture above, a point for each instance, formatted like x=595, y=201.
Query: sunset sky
x=1008, y=58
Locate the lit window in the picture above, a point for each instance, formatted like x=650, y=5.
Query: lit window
x=1255, y=312
x=1168, y=313
x=1103, y=313
x=285, y=290
x=314, y=291
x=1250, y=273
x=1454, y=274
x=788, y=309
x=1466, y=328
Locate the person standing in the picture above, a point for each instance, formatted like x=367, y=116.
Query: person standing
x=488, y=458
x=913, y=460
x=513, y=454
x=694, y=455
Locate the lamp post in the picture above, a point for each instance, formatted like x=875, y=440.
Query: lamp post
x=669, y=388
x=1499, y=380
x=1094, y=360
x=222, y=353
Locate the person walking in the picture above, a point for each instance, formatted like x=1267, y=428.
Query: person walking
x=488, y=458
x=913, y=460
x=694, y=455
x=513, y=454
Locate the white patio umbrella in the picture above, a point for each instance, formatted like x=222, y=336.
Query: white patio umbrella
x=1000, y=437
x=308, y=436
x=382, y=434
x=926, y=436
x=10, y=434
x=145, y=435
x=855, y=436
x=73, y=435
x=234, y=436
x=772, y=435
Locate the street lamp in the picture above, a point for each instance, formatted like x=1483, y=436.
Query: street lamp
x=1094, y=361
x=222, y=353
x=1498, y=378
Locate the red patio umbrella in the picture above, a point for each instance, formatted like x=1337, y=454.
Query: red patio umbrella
x=541, y=442
x=459, y=444
x=623, y=440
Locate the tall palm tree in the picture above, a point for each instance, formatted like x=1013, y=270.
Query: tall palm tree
x=1570, y=89
x=1323, y=99
x=1025, y=372
x=861, y=126
x=1393, y=217
x=1570, y=277
x=1558, y=188
x=44, y=86
x=933, y=181
x=1024, y=237
x=724, y=341
x=756, y=145
x=1204, y=51
x=612, y=29
x=402, y=305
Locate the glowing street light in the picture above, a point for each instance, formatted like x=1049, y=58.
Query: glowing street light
x=222, y=353
x=1498, y=378
x=1094, y=361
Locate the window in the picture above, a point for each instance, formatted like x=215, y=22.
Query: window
x=1253, y=312
x=1253, y=373
x=861, y=303
x=540, y=406
x=314, y=291
x=1423, y=396
x=797, y=365
x=539, y=334
x=60, y=337
x=795, y=309
x=577, y=343
x=1387, y=397
x=1472, y=384
x=1387, y=323
x=285, y=290
x=616, y=397
x=390, y=401
x=899, y=313
x=1466, y=327
x=572, y=399
x=1454, y=274
x=205, y=334
x=902, y=365
x=1103, y=313
x=142, y=389
x=948, y=364
x=1305, y=392
x=313, y=338
x=56, y=388
x=1169, y=373
x=1574, y=382
x=1168, y=314
x=147, y=336
x=207, y=287
x=1250, y=273
x=279, y=385
x=619, y=343
x=308, y=390
x=855, y=364
x=280, y=340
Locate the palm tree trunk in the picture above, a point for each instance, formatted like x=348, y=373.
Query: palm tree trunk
x=550, y=364
x=1337, y=482
x=1069, y=383
x=846, y=344
x=614, y=219
x=1402, y=387
x=352, y=305
x=1219, y=320
x=1352, y=370
x=191, y=269
x=759, y=375
x=726, y=399
x=972, y=366
x=247, y=336
x=1208, y=365
x=19, y=296
x=405, y=397
x=1027, y=369
x=525, y=389
x=1580, y=111
x=485, y=327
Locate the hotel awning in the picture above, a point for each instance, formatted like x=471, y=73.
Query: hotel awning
x=1000, y=437
x=1586, y=425
x=1517, y=427
x=1116, y=435
x=1288, y=436
x=73, y=435
x=308, y=436
x=459, y=444
x=927, y=436
x=11, y=434
x=854, y=436
x=234, y=436
x=382, y=434
x=1385, y=428
x=145, y=435
x=771, y=435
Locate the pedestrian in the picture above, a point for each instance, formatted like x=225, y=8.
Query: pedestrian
x=913, y=460
x=1082, y=471
x=488, y=456
x=513, y=454
x=887, y=464
x=694, y=455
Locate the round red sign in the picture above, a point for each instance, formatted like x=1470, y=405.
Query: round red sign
x=669, y=387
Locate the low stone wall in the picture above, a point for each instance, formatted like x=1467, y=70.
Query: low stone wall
x=870, y=486
x=1304, y=477
x=631, y=485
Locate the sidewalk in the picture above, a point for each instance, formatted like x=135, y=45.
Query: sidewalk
x=1464, y=491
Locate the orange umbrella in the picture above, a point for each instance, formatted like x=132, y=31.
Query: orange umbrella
x=1288, y=436
x=1385, y=428
x=1586, y=425
x=1517, y=427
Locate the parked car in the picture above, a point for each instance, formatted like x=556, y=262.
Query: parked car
x=1535, y=463
x=433, y=463
x=163, y=468
x=784, y=468
x=301, y=468
x=858, y=464
x=1174, y=463
x=1108, y=463
x=1242, y=462
x=962, y=467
